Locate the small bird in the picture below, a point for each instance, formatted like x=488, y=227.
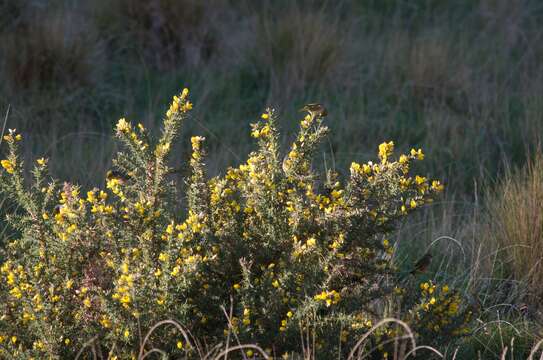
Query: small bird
x=422, y=264
x=115, y=174
x=315, y=110
x=57, y=209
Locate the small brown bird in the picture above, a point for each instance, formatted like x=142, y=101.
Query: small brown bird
x=315, y=110
x=115, y=174
x=422, y=264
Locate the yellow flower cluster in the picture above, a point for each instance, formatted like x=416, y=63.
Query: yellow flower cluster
x=124, y=286
x=263, y=129
x=123, y=126
x=385, y=150
x=179, y=104
x=328, y=297
x=12, y=136
x=8, y=165
x=440, y=307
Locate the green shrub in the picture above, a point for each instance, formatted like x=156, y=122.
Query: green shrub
x=268, y=253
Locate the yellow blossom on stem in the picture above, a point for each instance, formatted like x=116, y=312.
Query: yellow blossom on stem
x=8, y=166
x=123, y=126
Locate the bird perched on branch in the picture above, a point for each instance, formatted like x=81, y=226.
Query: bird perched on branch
x=315, y=110
x=422, y=264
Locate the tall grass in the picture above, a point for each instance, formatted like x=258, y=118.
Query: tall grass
x=515, y=228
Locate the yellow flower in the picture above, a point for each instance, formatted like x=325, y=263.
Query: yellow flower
x=420, y=180
x=311, y=242
x=236, y=286
x=126, y=334
x=437, y=186
x=265, y=116
x=385, y=150
x=13, y=339
x=123, y=125
x=67, y=341
x=163, y=257
x=8, y=165
x=180, y=344
x=355, y=167
x=424, y=286
x=16, y=292
x=125, y=299
x=249, y=353
x=41, y=161
x=104, y=321
x=175, y=271
x=417, y=154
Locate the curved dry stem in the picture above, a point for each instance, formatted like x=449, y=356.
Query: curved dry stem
x=243, y=347
x=499, y=322
x=85, y=345
x=455, y=353
x=161, y=352
x=445, y=237
x=367, y=353
x=504, y=305
x=534, y=350
x=504, y=352
x=412, y=351
x=502, y=249
x=378, y=325
x=212, y=351
x=159, y=324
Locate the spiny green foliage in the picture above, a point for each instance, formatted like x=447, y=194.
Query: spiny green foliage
x=264, y=252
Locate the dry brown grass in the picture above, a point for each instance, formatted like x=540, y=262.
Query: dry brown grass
x=515, y=227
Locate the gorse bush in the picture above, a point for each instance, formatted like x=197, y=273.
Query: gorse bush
x=269, y=253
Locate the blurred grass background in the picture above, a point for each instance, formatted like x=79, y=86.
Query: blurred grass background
x=461, y=79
